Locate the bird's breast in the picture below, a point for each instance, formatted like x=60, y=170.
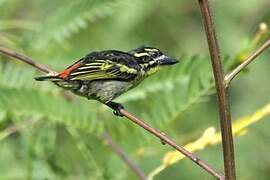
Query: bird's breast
x=104, y=90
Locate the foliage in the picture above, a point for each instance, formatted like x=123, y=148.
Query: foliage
x=57, y=32
x=211, y=137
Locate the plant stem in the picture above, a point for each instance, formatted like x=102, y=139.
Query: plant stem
x=107, y=139
x=229, y=77
x=141, y=123
x=167, y=140
x=26, y=59
x=222, y=92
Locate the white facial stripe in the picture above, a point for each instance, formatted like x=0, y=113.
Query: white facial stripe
x=160, y=57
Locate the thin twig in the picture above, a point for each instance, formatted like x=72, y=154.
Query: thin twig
x=229, y=77
x=26, y=59
x=105, y=137
x=128, y=115
x=222, y=92
x=167, y=140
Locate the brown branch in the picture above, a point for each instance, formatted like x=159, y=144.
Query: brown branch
x=128, y=115
x=222, y=92
x=107, y=139
x=229, y=77
x=167, y=140
x=26, y=59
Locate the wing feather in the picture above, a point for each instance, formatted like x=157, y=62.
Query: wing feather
x=104, y=69
x=103, y=65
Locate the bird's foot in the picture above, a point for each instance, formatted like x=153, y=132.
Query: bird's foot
x=116, y=107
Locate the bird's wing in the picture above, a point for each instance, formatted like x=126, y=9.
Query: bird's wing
x=105, y=66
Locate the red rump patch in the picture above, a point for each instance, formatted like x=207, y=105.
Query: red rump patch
x=64, y=74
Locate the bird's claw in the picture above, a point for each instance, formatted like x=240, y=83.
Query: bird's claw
x=117, y=108
x=117, y=113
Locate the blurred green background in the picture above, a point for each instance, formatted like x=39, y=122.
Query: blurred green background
x=59, y=137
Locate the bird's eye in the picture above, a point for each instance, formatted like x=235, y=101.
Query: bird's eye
x=154, y=54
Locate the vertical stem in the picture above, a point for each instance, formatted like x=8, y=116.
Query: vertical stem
x=123, y=156
x=222, y=92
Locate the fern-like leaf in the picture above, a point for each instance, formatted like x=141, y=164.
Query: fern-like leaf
x=70, y=19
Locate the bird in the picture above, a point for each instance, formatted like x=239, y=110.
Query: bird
x=105, y=75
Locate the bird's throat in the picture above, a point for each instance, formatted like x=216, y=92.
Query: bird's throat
x=152, y=70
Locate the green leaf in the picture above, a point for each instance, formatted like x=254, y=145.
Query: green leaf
x=70, y=19
x=37, y=104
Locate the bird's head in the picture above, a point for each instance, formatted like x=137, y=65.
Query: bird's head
x=151, y=58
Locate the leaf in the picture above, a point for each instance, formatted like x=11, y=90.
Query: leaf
x=70, y=19
x=211, y=137
x=33, y=103
x=93, y=168
x=15, y=128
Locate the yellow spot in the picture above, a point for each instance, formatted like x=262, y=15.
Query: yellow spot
x=124, y=68
x=141, y=54
x=88, y=67
x=151, y=50
x=84, y=72
x=100, y=60
x=140, y=152
x=90, y=76
x=93, y=64
x=106, y=66
x=152, y=70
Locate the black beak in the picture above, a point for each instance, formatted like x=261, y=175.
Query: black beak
x=165, y=60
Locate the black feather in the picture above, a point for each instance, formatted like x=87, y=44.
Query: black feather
x=48, y=78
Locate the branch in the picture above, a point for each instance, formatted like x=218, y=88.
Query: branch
x=210, y=138
x=127, y=114
x=105, y=137
x=26, y=59
x=167, y=140
x=222, y=92
x=229, y=77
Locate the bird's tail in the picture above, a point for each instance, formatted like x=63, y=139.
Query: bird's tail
x=66, y=84
x=49, y=78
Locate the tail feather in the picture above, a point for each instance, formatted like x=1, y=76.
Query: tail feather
x=66, y=84
x=48, y=78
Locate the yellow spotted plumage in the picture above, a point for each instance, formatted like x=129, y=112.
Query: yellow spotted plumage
x=105, y=75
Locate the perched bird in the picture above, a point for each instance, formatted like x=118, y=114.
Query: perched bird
x=105, y=75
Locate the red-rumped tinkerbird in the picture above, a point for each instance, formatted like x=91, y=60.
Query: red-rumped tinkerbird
x=104, y=75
